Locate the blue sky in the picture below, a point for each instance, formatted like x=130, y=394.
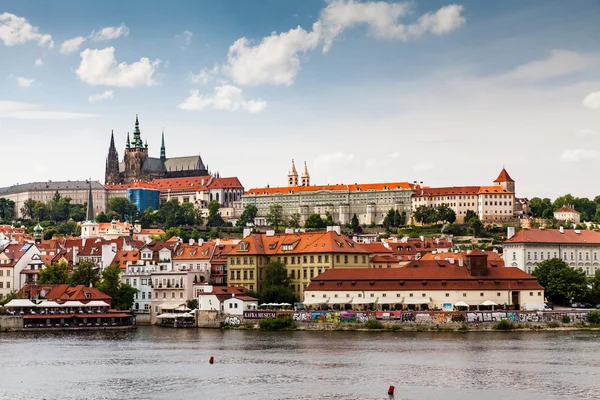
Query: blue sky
x=440, y=92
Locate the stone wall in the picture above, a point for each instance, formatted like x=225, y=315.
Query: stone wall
x=209, y=319
x=11, y=323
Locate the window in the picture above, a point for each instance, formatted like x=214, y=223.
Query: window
x=355, y=259
x=397, y=294
x=181, y=295
x=245, y=274
x=304, y=259
x=304, y=273
x=364, y=259
x=319, y=259
x=251, y=274
x=232, y=274
x=346, y=259
x=481, y=294
x=539, y=293
x=424, y=295
x=235, y=305
x=384, y=295
x=127, y=281
x=372, y=295
x=312, y=259
x=410, y=295
x=143, y=295
x=337, y=258
x=164, y=295
x=531, y=293
x=326, y=259
x=239, y=275
x=135, y=282
x=498, y=294
x=464, y=295
x=172, y=295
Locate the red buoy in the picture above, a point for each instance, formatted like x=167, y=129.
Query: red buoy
x=391, y=390
x=212, y=360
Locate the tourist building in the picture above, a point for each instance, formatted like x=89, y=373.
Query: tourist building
x=370, y=202
x=474, y=282
x=490, y=203
x=567, y=214
x=212, y=298
x=14, y=259
x=305, y=255
x=528, y=247
x=137, y=165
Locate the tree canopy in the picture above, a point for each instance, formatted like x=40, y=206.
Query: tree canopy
x=247, y=216
x=275, y=216
x=7, y=210
x=124, y=209
x=85, y=273
x=214, y=217
x=54, y=274
x=122, y=294
x=314, y=221
x=276, y=287
x=561, y=283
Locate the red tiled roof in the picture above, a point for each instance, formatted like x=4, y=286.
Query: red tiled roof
x=309, y=242
x=151, y=232
x=81, y=293
x=460, y=190
x=554, y=236
x=443, y=255
x=194, y=252
x=503, y=177
x=124, y=256
x=224, y=183
x=567, y=209
x=351, y=188
x=428, y=275
x=384, y=259
x=376, y=247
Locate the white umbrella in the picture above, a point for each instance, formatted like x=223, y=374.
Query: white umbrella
x=461, y=304
x=489, y=303
x=49, y=304
x=97, y=303
x=20, y=303
x=73, y=303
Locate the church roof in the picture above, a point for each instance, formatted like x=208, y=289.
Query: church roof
x=153, y=164
x=50, y=185
x=503, y=177
x=184, y=163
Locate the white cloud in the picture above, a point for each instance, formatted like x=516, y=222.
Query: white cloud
x=110, y=33
x=185, y=39
x=204, y=76
x=586, y=133
x=326, y=161
x=225, y=97
x=422, y=167
x=99, y=67
x=24, y=82
x=592, y=100
x=575, y=155
x=72, y=45
x=382, y=160
x=559, y=63
x=18, y=110
x=275, y=60
x=101, y=96
x=38, y=62
x=382, y=18
x=16, y=30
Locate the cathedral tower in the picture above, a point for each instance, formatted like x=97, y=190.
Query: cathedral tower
x=305, y=176
x=135, y=155
x=163, y=152
x=111, y=175
x=293, y=175
x=505, y=181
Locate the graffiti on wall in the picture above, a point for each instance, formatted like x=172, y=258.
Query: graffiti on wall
x=234, y=321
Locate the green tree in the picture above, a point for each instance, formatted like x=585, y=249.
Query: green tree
x=355, y=224
x=539, y=206
x=192, y=304
x=276, y=287
x=28, y=208
x=102, y=217
x=148, y=218
x=122, y=294
x=86, y=273
x=425, y=215
x=469, y=215
x=40, y=211
x=54, y=274
x=294, y=221
x=561, y=283
x=214, y=217
x=275, y=216
x=11, y=296
x=476, y=226
x=445, y=214
x=78, y=212
x=314, y=221
x=7, y=210
x=328, y=221
x=49, y=233
x=247, y=216
x=125, y=209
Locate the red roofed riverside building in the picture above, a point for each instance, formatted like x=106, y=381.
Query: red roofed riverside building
x=528, y=247
x=305, y=256
x=490, y=203
x=567, y=214
x=439, y=284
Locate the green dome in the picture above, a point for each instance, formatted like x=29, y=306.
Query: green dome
x=38, y=228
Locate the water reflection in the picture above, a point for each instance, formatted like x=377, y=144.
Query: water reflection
x=158, y=363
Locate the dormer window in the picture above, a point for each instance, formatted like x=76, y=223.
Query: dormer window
x=243, y=246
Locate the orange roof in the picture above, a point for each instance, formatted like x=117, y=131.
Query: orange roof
x=568, y=236
x=503, y=177
x=341, y=187
x=196, y=183
x=124, y=256
x=223, y=183
x=444, y=255
x=151, y=232
x=376, y=247
x=300, y=243
x=567, y=209
x=384, y=259
x=460, y=190
x=131, y=185
x=194, y=251
x=82, y=293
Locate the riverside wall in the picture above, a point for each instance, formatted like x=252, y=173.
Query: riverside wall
x=9, y=323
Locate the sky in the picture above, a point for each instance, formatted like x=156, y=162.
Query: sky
x=363, y=91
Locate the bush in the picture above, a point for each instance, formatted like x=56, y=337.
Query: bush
x=464, y=327
x=566, y=319
x=553, y=324
x=504, y=325
x=393, y=328
x=282, y=322
x=458, y=318
x=373, y=324
x=594, y=317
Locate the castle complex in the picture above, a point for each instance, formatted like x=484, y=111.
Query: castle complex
x=138, y=166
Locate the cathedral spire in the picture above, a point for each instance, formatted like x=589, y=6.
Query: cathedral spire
x=128, y=145
x=111, y=172
x=163, y=152
x=137, y=135
x=90, y=204
x=112, y=141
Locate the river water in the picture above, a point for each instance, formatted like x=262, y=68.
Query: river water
x=163, y=363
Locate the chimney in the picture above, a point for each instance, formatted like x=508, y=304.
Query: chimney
x=561, y=229
x=246, y=233
x=289, y=230
x=460, y=261
x=191, y=242
x=422, y=238
x=510, y=232
x=335, y=229
x=200, y=242
x=270, y=233
x=218, y=241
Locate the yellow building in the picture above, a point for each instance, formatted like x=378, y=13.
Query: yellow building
x=305, y=256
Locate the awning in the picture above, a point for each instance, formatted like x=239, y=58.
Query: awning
x=20, y=303
x=49, y=304
x=97, y=303
x=340, y=300
x=175, y=315
x=182, y=308
x=392, y=300
x=489, y=303
x=461, y=304
x=417, y=300
x=364, y=300
x=73, y=303
x=170, y=306
x=313, y=300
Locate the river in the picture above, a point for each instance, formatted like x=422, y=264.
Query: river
x=161, y=363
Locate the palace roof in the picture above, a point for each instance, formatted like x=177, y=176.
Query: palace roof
x=340, y=187
x=554, y=236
